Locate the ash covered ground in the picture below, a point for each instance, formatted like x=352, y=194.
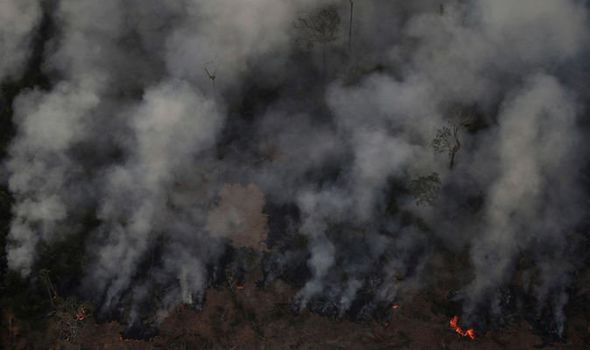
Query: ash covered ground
x=294, y=174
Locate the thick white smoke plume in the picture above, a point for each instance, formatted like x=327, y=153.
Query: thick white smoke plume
x=532, y=152
x=173, y=125
x=154, y=107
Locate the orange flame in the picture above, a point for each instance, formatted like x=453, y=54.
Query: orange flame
x=463, y=332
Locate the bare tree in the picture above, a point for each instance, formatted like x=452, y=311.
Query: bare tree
x=51, y=291
x=447, y=141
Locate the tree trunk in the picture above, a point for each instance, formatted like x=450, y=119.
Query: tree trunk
x=456, y=147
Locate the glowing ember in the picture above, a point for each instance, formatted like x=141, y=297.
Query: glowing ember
x=463, y=332
x=81, y=314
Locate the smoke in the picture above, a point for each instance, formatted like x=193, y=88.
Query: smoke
x=533, y=152
x=172, y=124
x=42, y=171
x=19, y=21
x=227, y=37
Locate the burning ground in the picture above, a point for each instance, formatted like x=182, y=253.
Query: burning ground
x=259, y=173
x=255, y=318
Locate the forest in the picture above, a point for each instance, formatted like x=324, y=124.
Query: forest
x=294, y=174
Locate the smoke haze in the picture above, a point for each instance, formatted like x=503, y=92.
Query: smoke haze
x=158, y=113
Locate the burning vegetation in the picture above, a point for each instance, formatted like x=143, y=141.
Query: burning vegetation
x=469, y=332
x=223, y=174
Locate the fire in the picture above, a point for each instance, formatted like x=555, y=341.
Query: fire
x=395, y=306
x=81, y=314
x=463, y=332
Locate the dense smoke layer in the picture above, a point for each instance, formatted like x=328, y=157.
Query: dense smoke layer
x=19, y=20
x=381, y=127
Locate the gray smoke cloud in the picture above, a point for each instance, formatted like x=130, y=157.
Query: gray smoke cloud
x=172, y=125
x=155, y=106
x=42, y=171
x=19, y=21
x=532, y=154
x=131, y=80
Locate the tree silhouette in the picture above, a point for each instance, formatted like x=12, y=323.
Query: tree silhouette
x=319, y=28
x=447, y=141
